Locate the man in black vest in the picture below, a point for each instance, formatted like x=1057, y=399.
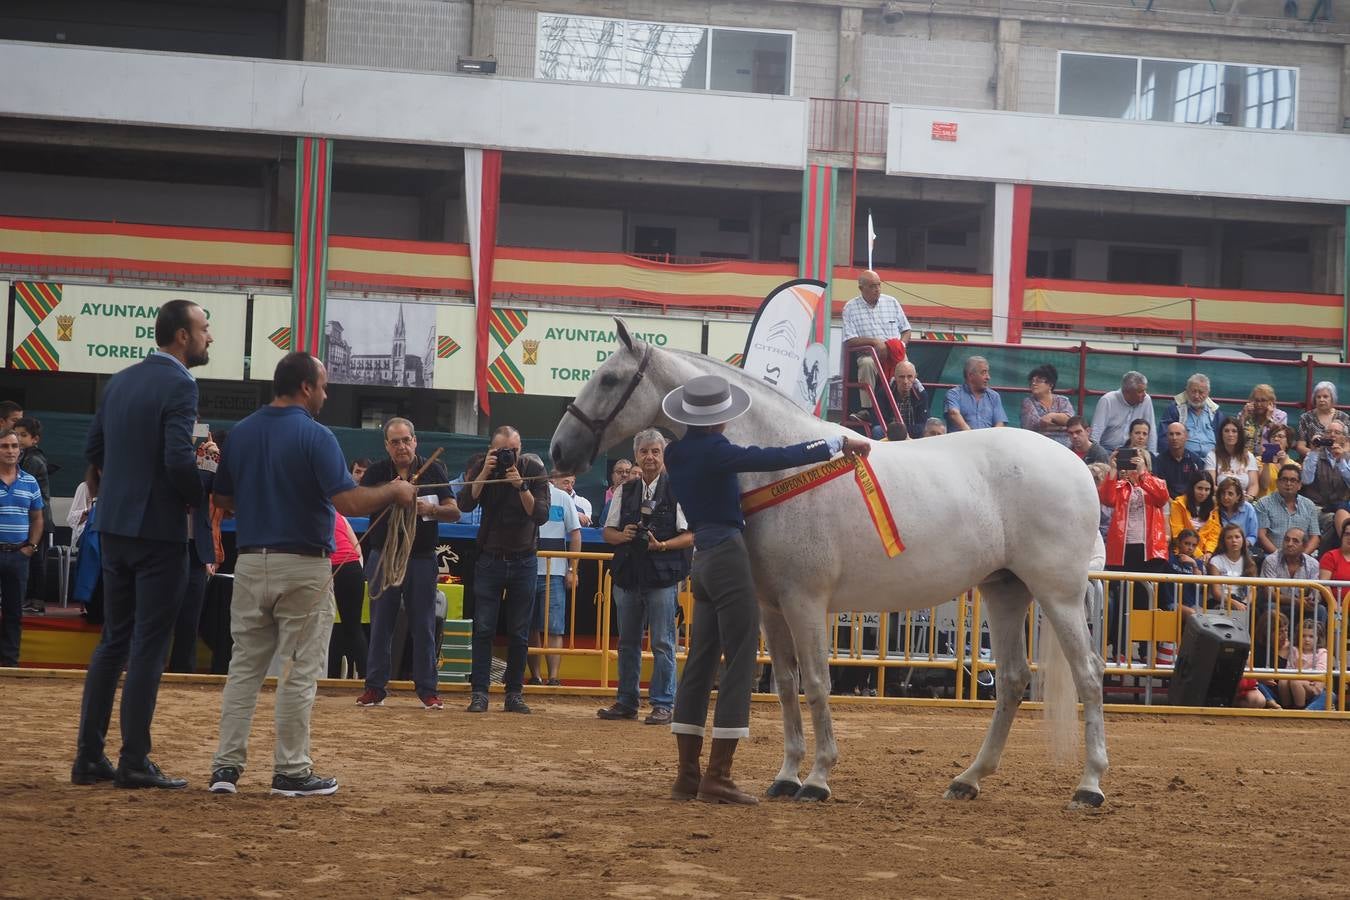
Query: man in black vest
x=651, y=558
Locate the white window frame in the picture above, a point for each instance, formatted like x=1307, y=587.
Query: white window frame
x=709, y=28
x=1138, y=75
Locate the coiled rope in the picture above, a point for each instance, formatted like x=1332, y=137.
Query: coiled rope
x=398, y=539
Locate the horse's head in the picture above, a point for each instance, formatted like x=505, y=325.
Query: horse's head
x=617, y=402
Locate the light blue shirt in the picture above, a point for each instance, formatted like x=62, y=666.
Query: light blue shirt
x=1244, y=518
x=979, y=412
x=176, y=361
x=1199, y=430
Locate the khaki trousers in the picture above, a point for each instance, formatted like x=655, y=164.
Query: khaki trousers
x=282, y=605
x=867, y=374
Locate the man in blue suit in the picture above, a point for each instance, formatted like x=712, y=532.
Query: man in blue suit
x=141, y=440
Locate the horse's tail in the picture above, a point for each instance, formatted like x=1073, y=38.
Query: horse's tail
x=1060, y=697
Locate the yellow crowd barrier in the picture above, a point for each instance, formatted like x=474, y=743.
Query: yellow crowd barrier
x=1126, y=612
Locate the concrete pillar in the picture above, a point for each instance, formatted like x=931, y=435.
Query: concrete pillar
x=484, y=40
x=1345, y=88
x=843, y=218
x=316, y=31
x=1012, y=219
x=755, y=218
x=1009, y=51
x=466, y=416
x=850, y=53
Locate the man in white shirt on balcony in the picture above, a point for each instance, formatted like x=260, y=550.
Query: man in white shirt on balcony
x=870, y=320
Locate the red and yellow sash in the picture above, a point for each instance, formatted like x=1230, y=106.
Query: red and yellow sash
x=875, y=501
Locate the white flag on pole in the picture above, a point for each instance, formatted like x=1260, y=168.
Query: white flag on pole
x=871, y=238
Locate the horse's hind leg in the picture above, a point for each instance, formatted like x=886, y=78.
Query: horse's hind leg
x=1071, y=629
x=784, y=655
x=1006, y=603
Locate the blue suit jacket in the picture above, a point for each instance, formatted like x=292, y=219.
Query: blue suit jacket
x=141, y=438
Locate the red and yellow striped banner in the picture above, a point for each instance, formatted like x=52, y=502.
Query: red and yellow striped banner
x=37, y=298
x=506, y=325
x=504, y=378
x=878, y=510
x=36, y=354
x=446, y=347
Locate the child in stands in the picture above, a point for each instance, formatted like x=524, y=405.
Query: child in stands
x=1309, y=657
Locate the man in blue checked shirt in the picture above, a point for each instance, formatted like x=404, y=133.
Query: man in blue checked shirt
x=20, y=531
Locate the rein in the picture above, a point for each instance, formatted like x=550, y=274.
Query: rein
x=597, y=428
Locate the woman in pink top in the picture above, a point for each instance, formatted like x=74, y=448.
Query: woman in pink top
x=349, y=589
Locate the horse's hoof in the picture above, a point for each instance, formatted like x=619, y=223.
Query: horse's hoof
x=959, y=790
x=812, y=793
x=1086, y=800
x=782, y=788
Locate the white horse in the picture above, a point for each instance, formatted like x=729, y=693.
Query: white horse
x=1004, y=509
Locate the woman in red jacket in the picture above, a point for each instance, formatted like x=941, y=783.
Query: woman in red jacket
x=1137, y=538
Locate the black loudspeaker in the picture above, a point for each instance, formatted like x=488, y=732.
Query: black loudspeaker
x=1214, y=652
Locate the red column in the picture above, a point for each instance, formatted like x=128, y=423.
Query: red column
x=1017, y=269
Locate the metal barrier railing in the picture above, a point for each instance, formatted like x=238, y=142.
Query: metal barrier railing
x=1131, y=616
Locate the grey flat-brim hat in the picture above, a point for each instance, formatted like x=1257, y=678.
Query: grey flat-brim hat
x=706, y=400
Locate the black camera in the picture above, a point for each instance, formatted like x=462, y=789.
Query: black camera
x=1125, y=457
x=644, y=525
x=506, y=458
x=1319, y=441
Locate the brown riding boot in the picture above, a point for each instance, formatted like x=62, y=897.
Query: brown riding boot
x=688, y=777
x=717, y=786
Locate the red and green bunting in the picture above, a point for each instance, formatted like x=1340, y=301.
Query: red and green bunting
x=36, y=353
x=309, y=278
x=446, y=347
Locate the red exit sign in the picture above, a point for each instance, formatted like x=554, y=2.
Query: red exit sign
x=944, y=131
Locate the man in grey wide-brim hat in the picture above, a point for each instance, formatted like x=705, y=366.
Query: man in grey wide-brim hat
x=703, y=467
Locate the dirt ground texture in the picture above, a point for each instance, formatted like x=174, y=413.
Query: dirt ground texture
x=561, y=804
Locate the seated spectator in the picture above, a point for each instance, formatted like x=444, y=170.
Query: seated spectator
x=1274, y=454
x=911, y=400
x=1045, y=411
x=1175, y=464
x=1117, y=409
x=1326, y=477
x=1234, y=509
x=1183, y=559
x=1081, y=443
x=359, y=467
x=1197, y=510
x=1321, y=413
x=1285, y=509
x=1260, y=416
x=1292, y=563
x=1141, y=438
x=1335, y=564
x=1311, y=657
x=1137, y=538
x=1233, y=559
x=1230, y=458
x=974, y=404
x=1198, y=413
x=934, y=426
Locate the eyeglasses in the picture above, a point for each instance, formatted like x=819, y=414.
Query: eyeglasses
x=398, y=442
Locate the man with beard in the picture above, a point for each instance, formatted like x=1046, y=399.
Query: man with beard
x=141, y=440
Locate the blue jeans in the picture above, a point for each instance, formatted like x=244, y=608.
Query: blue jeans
x=494, y=579
x=13, y=580
x=417, y=595
x=656, y=608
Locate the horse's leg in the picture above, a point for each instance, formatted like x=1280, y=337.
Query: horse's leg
x=1006, y=603
x=1070, y=624
x=784, y=655
x=808, y=633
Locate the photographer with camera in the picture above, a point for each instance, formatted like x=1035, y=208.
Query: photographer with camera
x=515, y=504
x=651, y=558
x=1136, y=540
x=1326, y=481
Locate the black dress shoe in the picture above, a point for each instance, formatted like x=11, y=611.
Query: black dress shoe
x=149, y=777
x=87, y=771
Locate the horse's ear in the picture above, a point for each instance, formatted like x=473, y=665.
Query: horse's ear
x=622, y=330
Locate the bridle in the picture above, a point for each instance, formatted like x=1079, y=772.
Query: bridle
x=597, y=428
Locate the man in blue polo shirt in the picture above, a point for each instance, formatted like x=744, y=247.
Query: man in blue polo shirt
x=20, y=530
x=282, y=474
x=974, y=404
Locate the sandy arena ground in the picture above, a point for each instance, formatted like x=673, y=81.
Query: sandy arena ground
x=560, y=804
